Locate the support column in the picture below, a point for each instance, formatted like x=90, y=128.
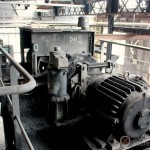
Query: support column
x=112, y=7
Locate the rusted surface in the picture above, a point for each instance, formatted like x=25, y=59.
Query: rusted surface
x=122, y=37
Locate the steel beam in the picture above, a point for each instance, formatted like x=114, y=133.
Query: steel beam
x=92, y=1
x=15, y=22
x=42, y=4
x=138, y=15
x=110, y=27
x=122, y=37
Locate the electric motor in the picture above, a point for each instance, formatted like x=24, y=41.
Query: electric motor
x=124, y=102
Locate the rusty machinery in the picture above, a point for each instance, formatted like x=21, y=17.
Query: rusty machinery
x=120, y=104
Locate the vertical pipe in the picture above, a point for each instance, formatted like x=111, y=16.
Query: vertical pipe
x=110, y=27
x=110, y=31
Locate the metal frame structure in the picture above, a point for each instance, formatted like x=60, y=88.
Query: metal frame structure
x=92, y=7
x=17, y=89
x=114, y=10
x=128, y=45
x=14, y=90
x=98, y=7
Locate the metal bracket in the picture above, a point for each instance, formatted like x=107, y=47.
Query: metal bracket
x=110, y=66
x=83, y=79
x=80, y=77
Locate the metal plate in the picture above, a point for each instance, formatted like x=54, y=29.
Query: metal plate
x=71, y=41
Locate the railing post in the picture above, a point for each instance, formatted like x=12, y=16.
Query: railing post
x=15, y=107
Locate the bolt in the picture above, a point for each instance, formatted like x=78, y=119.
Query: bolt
x=112, y=141
x=56, y=48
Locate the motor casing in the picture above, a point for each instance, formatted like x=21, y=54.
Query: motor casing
x=124, y=102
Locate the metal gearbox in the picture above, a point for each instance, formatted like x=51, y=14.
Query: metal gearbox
x=39, y=42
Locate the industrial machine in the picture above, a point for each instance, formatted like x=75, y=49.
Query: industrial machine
x=113, y=110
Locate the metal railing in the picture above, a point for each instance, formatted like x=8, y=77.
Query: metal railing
x=24, y=132
x=128, y=45
x=17, y=89
x=17, y=118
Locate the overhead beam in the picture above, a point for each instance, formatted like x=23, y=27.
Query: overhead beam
x=92, y=1
x=42, y=4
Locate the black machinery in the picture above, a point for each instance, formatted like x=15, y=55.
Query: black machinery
x=118, y=105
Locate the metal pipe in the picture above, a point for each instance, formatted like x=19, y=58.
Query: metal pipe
x=128, y=45
x=98, y=65
x=42, y=4
x=24, y=133
x=22, y=22
x=8, y=97
x=17, y=89
x=122, y=37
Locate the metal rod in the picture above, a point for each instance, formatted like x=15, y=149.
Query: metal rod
x=21, y=22
x=122, y=37
x=24, y=133
x=14, y=9
x=8, y=97
x=42, y=4
x=61, y=0
x=110, y=28
x=128, y=45
x=98, y=65
x=17, y=89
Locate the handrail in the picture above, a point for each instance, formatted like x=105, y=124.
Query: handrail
x=24, y=133
x=8, y=97
x=17, y=89
x=128, y=45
